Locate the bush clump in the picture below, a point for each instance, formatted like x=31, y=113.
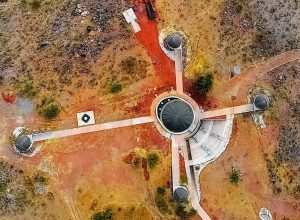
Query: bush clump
x=184, y=213
x=204, y=83
x=103, y=215
x=51, y=111
x=235, y=175
x=152, y=160
x=27, y=89
x=116, y=88
x=239, y=5
x=48, y=108
x=160, y=191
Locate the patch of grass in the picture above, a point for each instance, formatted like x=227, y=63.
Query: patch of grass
x=235, y=175
x=103, y=215
x=152, y=160
x=116, y=88
x=183, y=212
x=27, y=89
x=161, y=204
x=204, y=83
x=128, y=65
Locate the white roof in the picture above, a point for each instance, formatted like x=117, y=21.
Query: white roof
x=129, y=15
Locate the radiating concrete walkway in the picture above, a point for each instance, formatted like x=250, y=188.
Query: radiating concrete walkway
x=193, y=193
x=179, y=70
x=92, y=128
x=175, y=165
x=229, y=111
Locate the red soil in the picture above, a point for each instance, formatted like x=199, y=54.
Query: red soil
x=148, y=37
x=128, y=158
x=146, y=172
x=9, y=96
x=182, y=166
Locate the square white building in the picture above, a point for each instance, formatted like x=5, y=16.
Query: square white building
x=85, y=118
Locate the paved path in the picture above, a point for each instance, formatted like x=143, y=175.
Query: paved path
x=175, y=165
x=179, y=70
x=92, y=128
x=193, y=193
x=229, y=111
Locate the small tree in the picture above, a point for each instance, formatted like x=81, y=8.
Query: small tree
x=115, y=88
x=103, y=215
x=160, y=191
x=50, y=111
x=204, y=83
x=152, y=160
x=235, y=175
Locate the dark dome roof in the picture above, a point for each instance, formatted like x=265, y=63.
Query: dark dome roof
x=180, y=194
x=176, y=115
x=23, y=143
x=261, y=101
x=174, y=41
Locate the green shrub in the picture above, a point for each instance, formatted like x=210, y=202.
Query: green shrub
x=235, y=175
x=35, y=4
x=239, y=5
x=204, y=83
x=103, y=215
x=160, y=191
x=152, y=160
x=50, y=111
x=115, y=88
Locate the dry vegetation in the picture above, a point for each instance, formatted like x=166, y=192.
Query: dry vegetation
x=284, y=163
x=225, y=33
x=60, y=46
x=254, y=30
x=22, y=194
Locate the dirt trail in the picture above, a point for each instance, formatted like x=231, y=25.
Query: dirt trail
x=239, y=86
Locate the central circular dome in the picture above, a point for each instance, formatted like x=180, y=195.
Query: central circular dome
x=175, y=114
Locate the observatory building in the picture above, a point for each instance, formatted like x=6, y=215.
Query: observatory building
x=261, y=102
x=23, y=143
x=180, y=194
x=175, y=115
x=173, y=41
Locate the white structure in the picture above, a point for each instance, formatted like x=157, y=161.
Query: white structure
x=265, y=214
x=85, y=118
x=130, y=17
x=236, y=70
